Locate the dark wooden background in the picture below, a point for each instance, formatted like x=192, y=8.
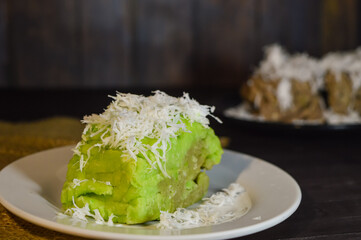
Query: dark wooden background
x=161, y=43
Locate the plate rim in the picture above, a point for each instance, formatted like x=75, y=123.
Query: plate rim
x=266, y=124
x=275, y=126
x=82, y=232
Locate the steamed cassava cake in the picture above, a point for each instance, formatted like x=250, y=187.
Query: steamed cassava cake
x=143, y=155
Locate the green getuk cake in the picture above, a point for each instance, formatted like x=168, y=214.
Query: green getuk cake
x=143, y=155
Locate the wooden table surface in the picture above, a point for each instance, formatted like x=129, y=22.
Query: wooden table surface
x=325, y=162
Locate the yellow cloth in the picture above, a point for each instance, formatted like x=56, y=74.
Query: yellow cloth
x=21, y=139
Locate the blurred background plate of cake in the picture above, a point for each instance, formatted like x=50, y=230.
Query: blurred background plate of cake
x=299, y=89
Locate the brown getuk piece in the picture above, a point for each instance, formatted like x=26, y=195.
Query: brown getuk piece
x=260, y=94
x=339, y=92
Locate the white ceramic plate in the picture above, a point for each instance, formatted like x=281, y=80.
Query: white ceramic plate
x=31, y=186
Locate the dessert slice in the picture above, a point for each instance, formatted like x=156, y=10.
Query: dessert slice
x=284, y=88
x=339, y=88
x=141, y=156
x=260, y=94
x=343, y=81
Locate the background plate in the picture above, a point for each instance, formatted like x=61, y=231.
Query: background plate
x=31, y=186
x=278, y=126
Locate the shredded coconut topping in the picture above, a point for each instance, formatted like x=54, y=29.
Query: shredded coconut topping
x=333, y=118
x=130, y=119
x=81, y=214
x=76, y=182
x=284, y=94
x=221, y=207
x=279, y=64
